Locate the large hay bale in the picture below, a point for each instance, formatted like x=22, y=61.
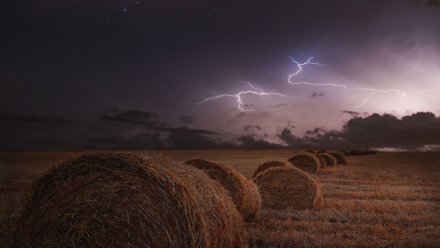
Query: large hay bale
x=305, y=161
x=226, y=225
x=288, y=187
x=322, y=163
x=244, y=193
x=339, y=156
x=118, y=200
x=328, y=159
x=266, y=165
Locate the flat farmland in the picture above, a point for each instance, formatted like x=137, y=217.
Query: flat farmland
x=383, y=200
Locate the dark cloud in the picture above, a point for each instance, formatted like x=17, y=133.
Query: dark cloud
x=148, y=120
x=318, y=94
x=326, y=139
x=131, y=129
x=316, y=131
x=386, y=130
x=179, y=138
x=176, y=137
x=29, y=132
x=36, y=121
x=252, y=127
x=280, y=105
x=192, y=130
x=186, y=119
x=144, y=131
x=352, y=113
x=145, y=119
x=291, y=140
x=409, y=132
x=36, y=145
x=186, y=138
x=249, y=141
x=34, y=132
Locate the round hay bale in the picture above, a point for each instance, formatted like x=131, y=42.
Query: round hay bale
x=288, y=187
x=322, y=163
x=305, y=161
x=244, y=193
x=266, y=165
x=226, y=225
x=328, y=159
x=339, y=156
x=114, y=200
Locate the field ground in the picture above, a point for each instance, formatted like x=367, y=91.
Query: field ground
x=383, y=200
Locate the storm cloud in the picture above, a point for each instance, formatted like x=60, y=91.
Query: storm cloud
x=374, y=131
x=186, y=119
x=419, y=129
x=136, y=117
x=143, y=130
x=212, y=74
x=31, y=121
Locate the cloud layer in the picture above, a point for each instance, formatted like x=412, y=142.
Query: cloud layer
x=374, y=131
x=142, y=130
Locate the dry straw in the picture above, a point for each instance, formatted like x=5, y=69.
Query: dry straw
x=288, y=188
x=226, y=225
x=244, y=193
x=322, y=163
x=305, y=161
x=328, y=159
x=266, y=165
x=339, y=156
x=123, y=200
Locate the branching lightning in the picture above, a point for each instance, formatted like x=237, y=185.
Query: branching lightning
x=310, y=62
x=239, y=96
x=397, y=91
x=300, y=68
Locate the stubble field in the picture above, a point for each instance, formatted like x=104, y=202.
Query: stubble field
x=382, y=200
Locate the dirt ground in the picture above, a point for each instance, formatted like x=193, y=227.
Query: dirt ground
x=382, y=200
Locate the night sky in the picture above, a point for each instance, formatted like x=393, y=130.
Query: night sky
x=142, y=74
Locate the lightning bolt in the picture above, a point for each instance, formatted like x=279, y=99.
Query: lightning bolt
x=310, y=62
x=239, y=96
x=397, y=91
x=300, y=68
x=365, y=100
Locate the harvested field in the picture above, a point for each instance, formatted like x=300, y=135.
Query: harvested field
x=382, y=200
